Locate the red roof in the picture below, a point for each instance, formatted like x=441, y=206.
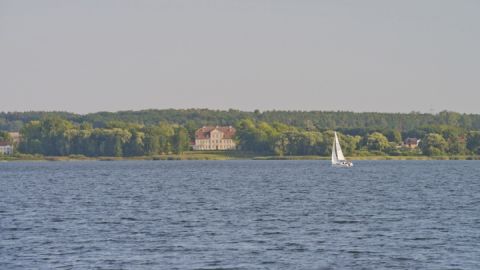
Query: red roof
x=411, y=141
x=5, y=144
x=204, y=132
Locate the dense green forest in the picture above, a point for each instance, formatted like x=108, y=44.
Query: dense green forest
x=282, y=133
x=308, y=120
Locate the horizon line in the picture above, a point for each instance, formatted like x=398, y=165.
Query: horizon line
x=234, y=109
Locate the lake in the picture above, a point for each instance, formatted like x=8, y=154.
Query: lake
x=240, y=215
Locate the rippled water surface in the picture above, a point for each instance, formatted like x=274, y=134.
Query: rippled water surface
x=240, y=215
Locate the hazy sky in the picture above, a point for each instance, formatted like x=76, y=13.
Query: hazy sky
x=391, y=56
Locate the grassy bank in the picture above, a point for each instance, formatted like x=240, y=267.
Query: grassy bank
x=228, y=155
x=191, y=155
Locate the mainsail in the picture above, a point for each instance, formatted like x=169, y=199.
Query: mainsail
x=338, y=149
x=334, y=154
x=337, y=155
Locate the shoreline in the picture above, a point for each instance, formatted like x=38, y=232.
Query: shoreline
x=221, y=156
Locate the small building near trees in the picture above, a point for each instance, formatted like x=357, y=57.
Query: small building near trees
x=6, y=148
x=411, y=143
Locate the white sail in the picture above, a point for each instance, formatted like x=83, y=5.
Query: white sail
x=338, y=148
x=334, y=154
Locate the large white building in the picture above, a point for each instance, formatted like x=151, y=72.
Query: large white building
x=215, y=138
x=6, y=148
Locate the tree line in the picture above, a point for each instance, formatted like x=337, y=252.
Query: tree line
x=60, y=137
x=307, y=120
x=281, y=139
x=55, y=136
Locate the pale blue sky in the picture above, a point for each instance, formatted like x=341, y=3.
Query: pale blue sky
x=389, y=56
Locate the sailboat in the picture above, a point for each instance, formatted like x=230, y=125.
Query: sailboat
x=338, y=160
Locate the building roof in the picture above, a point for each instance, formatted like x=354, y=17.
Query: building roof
x=3, y=143
x=204, y=132
x=411, y=141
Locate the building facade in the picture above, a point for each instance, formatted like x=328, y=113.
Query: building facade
x=6, y=148
x=215, y=138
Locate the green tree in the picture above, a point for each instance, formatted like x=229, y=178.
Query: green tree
x=31, y=138
x=473, y=142
x=50, y=136
x=181, y=140
x=5, y=136
x=377, y=142
x=165, y=135
x=54, y=136
x=134, y=146
x=350, y=143
x=433, y=145
x=456, y=146
x=151, y=142
x=395, y=136
x=122, y=137
x=311, y=142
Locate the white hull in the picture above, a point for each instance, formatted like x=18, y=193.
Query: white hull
x=343, y=164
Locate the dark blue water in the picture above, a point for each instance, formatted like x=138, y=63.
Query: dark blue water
x=240, y=215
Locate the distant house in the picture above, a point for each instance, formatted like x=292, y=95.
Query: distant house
x=411, y=143
x=6, y=148
x=214, y=138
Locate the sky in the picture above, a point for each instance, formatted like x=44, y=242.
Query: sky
x=384, y=56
